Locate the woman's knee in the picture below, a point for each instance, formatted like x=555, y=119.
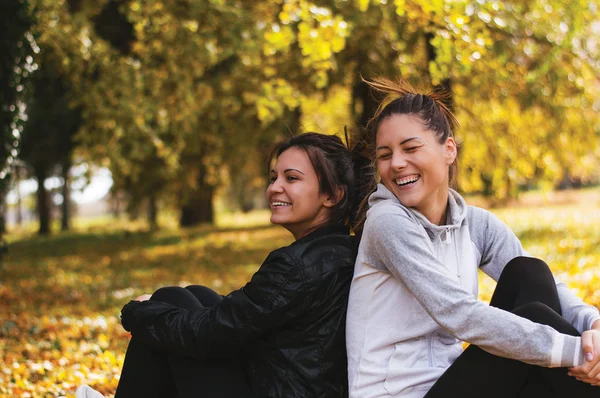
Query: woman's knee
x=205, y=295
x=175, y=295
x=526, y=267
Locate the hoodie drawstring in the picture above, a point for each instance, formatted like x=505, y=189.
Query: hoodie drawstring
x=457, y=262
x=447, y=237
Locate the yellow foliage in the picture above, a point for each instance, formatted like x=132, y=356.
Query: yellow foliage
x=363, y=5
x=60, y=296
x=278, y=39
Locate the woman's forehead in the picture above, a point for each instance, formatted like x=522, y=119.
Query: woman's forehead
x=295, y=158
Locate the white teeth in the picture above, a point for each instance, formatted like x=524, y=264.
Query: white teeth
x=280, y=204
x=406, y=180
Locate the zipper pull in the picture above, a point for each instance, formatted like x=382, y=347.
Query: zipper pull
x=448, y=239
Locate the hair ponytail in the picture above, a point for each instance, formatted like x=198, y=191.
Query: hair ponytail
x=364, y=181
x=395, y=90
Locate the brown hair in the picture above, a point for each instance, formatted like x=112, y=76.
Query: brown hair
x=400, y=97
x=337, y=166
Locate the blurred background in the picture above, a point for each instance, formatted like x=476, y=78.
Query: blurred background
x=134, y=135
x=144, y=107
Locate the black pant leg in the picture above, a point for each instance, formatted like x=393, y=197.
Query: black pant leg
x=222, y=378
x=205, y=295
x=527, y=288
x=152, y=373
x=146, y=373
x=177, y=296
x=525, y=280
x=555, y=379
x=477, y=373
x=146, y=370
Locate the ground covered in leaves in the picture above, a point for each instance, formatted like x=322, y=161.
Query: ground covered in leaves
x=60, y=296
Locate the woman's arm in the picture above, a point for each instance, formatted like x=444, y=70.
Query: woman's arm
x=265, y=302
x=498, y=245
x=400, y=244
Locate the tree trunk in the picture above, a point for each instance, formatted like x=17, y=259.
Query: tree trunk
x=115, y=204
x=364, y=103
x=295, y=120
x=198, y=208
x=66, y=193
x=446, y=83
x=19, y=207
x=2, y=215
x=152, y=212
x=43, y=201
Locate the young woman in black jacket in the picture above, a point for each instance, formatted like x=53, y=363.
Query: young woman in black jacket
x=283, y=333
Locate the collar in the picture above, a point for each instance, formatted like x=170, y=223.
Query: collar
x=331, y=229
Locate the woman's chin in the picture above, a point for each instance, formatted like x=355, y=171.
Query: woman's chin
x=277, y=220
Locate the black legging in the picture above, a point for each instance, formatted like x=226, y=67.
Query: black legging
x=526, y=288
x=152, y=373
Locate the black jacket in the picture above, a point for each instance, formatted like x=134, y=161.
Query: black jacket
x=288, y=322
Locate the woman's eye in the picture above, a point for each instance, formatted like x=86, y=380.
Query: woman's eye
x=291, y=178
x=411, y=149
x=272, y=179
x=384, y=156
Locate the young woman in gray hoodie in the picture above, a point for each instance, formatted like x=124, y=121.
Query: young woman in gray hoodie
x=413, y=299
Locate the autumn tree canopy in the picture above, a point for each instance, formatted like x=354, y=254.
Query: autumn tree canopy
x=179, y=99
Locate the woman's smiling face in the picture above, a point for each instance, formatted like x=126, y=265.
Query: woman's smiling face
x=414, y=165
x=293, y=194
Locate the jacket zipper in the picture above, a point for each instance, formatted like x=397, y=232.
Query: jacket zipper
x=431, y=364
x=457, y=262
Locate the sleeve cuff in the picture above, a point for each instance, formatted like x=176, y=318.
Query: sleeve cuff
x=578, y=360
x=591, y=321
x=126, y=320
x=566, y=351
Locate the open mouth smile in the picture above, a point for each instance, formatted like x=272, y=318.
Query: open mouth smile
x=280, y=204
x=408, y=180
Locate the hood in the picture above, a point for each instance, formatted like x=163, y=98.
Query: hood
x=456, y=213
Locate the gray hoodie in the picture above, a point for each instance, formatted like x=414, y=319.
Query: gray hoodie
x=413, y=300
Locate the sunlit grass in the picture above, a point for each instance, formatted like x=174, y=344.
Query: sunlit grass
x=563, y=230
x=60, y=296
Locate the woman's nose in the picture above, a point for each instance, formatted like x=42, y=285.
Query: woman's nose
x=398, y=161
x=274, y=186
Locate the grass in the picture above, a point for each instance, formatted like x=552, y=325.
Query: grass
x=60, y=296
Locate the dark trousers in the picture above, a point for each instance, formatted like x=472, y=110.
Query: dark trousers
x=526, y=288
x=152, y=373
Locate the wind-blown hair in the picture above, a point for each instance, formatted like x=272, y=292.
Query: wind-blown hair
x=401, y=98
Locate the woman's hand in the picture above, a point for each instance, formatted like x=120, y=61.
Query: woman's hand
x=589, y=370
x=126, y=321
x=145, y=297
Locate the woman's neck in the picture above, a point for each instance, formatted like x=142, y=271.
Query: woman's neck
x=435, y=211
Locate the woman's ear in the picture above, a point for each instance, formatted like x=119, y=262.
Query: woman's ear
x=332, y=201
x=450, y=150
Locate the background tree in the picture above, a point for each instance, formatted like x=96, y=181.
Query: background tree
x=15, y=65
x=495, y=57
x=47, y=142
x=178, y=99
